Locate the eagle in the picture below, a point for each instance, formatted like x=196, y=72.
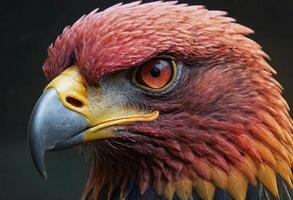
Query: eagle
x=168, y=101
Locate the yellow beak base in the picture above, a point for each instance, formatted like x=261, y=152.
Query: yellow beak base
x=72, y=90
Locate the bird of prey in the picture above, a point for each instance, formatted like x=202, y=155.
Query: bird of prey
x=168, y=101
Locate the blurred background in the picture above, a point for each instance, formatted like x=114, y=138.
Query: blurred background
x=28, y=27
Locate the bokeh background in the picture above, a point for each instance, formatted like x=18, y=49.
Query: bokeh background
x=27, y=27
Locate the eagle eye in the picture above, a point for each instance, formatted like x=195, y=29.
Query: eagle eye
x=155, y=74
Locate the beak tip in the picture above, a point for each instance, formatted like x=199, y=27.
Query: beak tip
x=44, y=175
x=40, y=164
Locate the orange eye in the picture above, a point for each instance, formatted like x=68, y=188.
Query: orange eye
x=155, y=74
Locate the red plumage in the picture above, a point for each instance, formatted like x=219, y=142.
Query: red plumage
x=124, y=36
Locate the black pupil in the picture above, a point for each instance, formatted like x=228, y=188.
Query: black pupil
x=155, y=72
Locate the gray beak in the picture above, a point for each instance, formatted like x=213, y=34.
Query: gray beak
x=53, y=127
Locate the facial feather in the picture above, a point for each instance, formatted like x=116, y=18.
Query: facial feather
x=125, y=36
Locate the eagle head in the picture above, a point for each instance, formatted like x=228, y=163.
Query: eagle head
x=168, y=101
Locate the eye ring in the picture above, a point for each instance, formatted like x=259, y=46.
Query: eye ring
x=155, y=75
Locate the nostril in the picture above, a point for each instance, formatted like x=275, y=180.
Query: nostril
x=74, y=102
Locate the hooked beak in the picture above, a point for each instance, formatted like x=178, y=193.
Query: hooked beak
x=64, y=117
x=52, y=126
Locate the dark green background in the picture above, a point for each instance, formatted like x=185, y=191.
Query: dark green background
x=28, y=27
